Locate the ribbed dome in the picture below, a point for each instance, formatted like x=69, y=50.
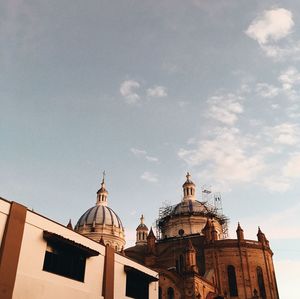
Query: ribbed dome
x=142, y=226
x=100, y=215
x=189, y=207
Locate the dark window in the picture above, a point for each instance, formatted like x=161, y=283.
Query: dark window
x=170, y=293
x=68, y=263
x=181, y=263
x=261, y=284
x=159, y=293
x=232, y=281
x=137, y=286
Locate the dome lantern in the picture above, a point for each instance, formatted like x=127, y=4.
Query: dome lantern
x=189, y=189
x=141, y=233
x=102, y=193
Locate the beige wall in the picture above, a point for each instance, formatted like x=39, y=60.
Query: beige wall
x=190, y=225
x=4, y=211
x=34, y=283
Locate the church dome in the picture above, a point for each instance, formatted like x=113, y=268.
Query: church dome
x=189, y=216
x=100, y=215
x=101, y=223
x=189, y=207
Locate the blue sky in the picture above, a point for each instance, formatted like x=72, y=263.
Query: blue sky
x=148, y=90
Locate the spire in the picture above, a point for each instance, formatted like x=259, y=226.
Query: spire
x=207, y=230
x=190, y=257
x=214, y=232
x=151, y=242
x=103, y=179
x=189, y=188
x=69, y=225
x=102, y=193
x=262, y=238
x=141, y=233
x=239, y=232
x=188, y=176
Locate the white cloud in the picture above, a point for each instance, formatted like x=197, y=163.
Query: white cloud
x=225, y=108
x=271, y=26
x=226, y=158
x=149, y=177
x=276, y=184
x=283, y=224
x=151, y=159
x=142, y=153
x=289, y=78
x=267, y=90
x=138, y=152
x=289, y=49
x=285, y=133
x=157, y=92
x=128, y=90
x=292, y=168
x=293, y=111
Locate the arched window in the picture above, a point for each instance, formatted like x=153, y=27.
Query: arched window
x=159, y=293
x=232, y=281
x=261, y=284
x=170, y=293
x=181, y=263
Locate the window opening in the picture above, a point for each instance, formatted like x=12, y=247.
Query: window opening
x=232, y=281
x=261, y=284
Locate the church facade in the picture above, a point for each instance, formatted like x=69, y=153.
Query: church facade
x=195, y=259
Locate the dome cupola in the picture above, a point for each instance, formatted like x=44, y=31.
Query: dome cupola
x=141, y=233
x=101, y=222
x=189, y=189
x=188, y=217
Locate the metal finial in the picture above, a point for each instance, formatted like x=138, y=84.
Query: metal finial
x=103, y=178
x=188, y=176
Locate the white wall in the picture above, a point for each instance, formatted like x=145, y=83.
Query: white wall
x=120, y=277
x=34, y=283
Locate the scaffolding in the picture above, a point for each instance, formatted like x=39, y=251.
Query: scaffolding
x=211, y=201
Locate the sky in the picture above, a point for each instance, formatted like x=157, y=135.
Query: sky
x=148, y=90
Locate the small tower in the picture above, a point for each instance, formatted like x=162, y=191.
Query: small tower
x=214, y=232
x=69, y=225
x=240, y=233
x=141, y=233
x=102, y=193
x=190, y=258
x=262, y=238
x=151, y=242
x=189, y=189
x=207, y=230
